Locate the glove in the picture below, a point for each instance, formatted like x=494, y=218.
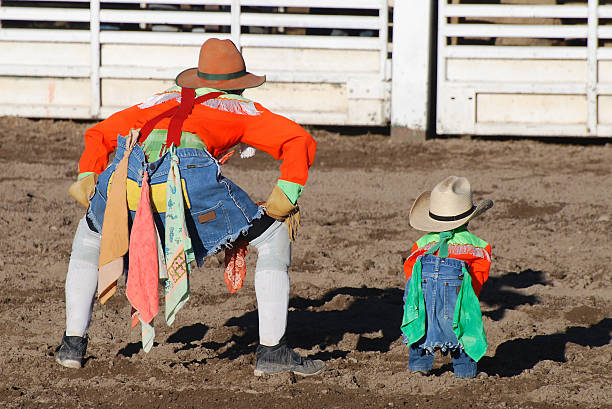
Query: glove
x=83, y=189
x=278, y=205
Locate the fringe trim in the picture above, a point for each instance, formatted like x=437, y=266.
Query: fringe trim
x=443, y=347
x=230, y=239
x=468, y=249
x=222, y=104
x=159, y=98
x=457, y=249
x=293, y=223
x=233, y=106
x=430, y=347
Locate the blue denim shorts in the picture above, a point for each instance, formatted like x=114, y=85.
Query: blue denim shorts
x=217, y=210
x=441, y=280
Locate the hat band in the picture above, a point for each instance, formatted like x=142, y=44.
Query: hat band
x=452, y=218
x=222, y=77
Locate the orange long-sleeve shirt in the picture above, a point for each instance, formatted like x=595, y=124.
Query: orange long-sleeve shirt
x=463, y=246
x=219, y=128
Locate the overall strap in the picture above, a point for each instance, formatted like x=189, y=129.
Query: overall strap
x=178, y=113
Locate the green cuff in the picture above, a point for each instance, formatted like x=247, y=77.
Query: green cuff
x=291, y=190
x=84, y=174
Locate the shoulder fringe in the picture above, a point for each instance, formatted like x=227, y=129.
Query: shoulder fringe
x=159, y=98
x=233, y=106
x=222, y=104
x=456, y=249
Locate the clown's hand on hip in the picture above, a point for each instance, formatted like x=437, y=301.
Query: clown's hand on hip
x=279, y=207
x=82, y=190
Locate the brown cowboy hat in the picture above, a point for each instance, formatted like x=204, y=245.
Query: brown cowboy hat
x=220, y=66
x=448, y=206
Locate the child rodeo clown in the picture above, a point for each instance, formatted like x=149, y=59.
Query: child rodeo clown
x=446, y=271
x=164, y=201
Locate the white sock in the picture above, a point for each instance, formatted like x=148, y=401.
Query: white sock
x=272, y=290
x=272, y=282
x=82, y=279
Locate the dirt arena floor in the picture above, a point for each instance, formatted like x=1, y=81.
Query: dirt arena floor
x=547, y=305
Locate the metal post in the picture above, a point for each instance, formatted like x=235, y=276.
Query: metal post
x=411, y=79
x=592, y=40
x=94, y=76
x=235, y=23
x=383, y=36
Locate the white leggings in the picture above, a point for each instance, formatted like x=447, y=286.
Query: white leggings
x=271, y=281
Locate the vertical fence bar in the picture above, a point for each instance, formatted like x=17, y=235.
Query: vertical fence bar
x=383, y=36
x=94, y=76
x=235, y=23
x=410, y=87
x=592, y=43
x=441, y=52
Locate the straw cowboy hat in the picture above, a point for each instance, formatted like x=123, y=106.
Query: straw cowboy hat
x=220, y=66
x=448, y=206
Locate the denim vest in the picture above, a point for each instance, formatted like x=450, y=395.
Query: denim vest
x=217, y=211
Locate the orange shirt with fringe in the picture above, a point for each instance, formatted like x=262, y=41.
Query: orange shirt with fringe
x=219, y=129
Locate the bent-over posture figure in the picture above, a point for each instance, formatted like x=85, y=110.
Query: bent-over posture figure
x=164, y=201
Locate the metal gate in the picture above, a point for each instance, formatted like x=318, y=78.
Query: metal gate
x=327, y=62
x=524, y=69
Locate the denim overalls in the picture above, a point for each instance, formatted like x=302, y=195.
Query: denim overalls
x=217, y=211
x=441, y=280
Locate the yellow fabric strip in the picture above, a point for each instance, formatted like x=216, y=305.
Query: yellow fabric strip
x=158, y=195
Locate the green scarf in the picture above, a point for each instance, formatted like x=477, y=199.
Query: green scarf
x=413, y=321
x=467, y=320
x=442, y=244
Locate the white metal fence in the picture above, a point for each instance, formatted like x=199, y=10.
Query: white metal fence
x=503, y=69
x=327, y=62
x=510, y=69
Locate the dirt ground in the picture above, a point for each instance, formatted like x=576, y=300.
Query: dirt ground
x=547, y=304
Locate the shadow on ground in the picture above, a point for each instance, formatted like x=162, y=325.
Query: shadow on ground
x=373, y=314
x=514, y=356
x=497, y=292
x=187, y=336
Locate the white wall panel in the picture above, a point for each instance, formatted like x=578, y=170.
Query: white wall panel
x=605, y=109
x=127, y=92
x=605, y=71
x=533, y=109
x=146, y=55
x=262, y=59
x=44, y=54
x=44, y=91
x=301, y=97
x=498, y=70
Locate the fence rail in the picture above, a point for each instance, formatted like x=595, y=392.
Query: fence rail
x=515, y=11
x=524, y=69
x=337, y=45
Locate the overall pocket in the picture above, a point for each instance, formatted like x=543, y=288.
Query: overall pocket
x=451, y=291
x=213, y=224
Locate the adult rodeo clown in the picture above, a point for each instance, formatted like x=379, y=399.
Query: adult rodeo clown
x=163, y=202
